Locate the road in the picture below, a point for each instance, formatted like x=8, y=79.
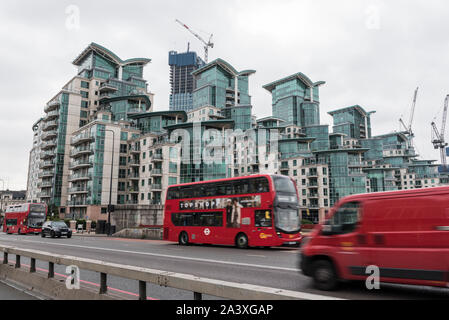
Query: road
x=274, y=267
x=10, y=293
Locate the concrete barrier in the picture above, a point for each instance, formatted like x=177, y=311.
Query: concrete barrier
x=197, y=285
x=140, y=233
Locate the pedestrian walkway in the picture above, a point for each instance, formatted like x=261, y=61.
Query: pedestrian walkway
x=9, y=293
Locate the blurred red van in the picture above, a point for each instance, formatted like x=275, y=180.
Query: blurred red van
x=404, y=233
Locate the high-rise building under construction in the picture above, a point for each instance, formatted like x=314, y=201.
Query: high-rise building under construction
x=181, y=80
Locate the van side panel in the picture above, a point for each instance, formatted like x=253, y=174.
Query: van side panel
x=406, y=245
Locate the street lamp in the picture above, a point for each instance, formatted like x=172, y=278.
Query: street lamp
x=110, y=183
x=1, y=199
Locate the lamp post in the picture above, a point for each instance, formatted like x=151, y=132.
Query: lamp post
x=110, y=183
x=1, y=201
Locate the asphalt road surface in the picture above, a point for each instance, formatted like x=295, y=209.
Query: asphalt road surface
x=274, y=267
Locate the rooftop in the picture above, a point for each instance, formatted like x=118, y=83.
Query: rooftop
x=94, y=47
x=226, y=66
x=356, y=107
x=301, y=76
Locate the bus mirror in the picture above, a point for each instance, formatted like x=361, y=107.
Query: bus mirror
x=267, y=215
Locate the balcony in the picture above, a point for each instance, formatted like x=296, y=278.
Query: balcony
x=357, y=164
x=134, y=162
x=134, y=176
x=77, y=152
x=133, y=189
x=47, y=155
x=314, y=206
x=134, y=149
x=52, y=105
x=47, y=184
x=80, y=176
x=80, y=164
x=107, y=87
x=49, y=144
x=52, y=115
x=47, y=164
x=79, y=202
x=156, y=172
x=44, y=195
x=313, y=195
x=105, y=96
x=132, y=201
x=79, y=190
x=156, y=187
x=49, y=125
x=136, y=110
x=312, y=185
x=312, y=174
x=82, y=138
x=49, y=135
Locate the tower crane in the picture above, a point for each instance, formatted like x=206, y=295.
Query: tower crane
x=206, y=44
x=438, y=136
x=410, y=123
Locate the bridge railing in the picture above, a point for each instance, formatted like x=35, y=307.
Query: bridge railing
x=198, y=285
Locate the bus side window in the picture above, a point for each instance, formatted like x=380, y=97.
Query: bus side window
x=263, y=218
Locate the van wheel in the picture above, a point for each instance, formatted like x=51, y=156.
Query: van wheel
x=183, y=238
x=42, y=234
x=241, y=241
x=52, y=234
x=324, y=275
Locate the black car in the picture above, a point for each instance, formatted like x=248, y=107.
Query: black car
x=55, y=229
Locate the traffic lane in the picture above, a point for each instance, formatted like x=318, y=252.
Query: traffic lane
x=238, y=272
x=121, y=288
x=9, y=293
x=279, y=258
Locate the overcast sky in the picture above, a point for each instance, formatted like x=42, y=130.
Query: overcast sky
x=372, y=53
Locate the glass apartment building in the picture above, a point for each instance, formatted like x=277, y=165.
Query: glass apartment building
x=295, y=99
x=74, y=149
x=220, y=85
x=353, y=121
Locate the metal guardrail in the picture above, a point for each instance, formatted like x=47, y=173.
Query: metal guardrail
x=197, y=285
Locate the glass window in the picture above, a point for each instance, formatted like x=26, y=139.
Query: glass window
x=199, y=219
x=263, y=218
x=282, y=184
x=347, y=217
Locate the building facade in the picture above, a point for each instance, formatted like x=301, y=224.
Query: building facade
x=101, y=143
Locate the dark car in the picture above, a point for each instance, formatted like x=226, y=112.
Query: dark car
x=55, y=229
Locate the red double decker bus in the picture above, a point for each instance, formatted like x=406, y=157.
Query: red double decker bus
x=24, y=218
x=259, y=210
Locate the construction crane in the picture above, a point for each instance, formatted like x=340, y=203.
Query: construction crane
x=438, y=136
x=206, y=44
x=410, y=123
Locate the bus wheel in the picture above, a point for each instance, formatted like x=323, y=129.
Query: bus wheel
x=183, y=238
x=324, y=275
x=18, y=232
x=241, y=241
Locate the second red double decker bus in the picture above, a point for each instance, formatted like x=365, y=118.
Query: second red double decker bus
x=259, y=210
x=25, y=218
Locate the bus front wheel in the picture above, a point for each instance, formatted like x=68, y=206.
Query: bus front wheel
x=241, y=241
x=183, y=238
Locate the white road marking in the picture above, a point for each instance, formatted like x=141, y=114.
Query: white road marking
x=256, y=255
x=168, y=256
